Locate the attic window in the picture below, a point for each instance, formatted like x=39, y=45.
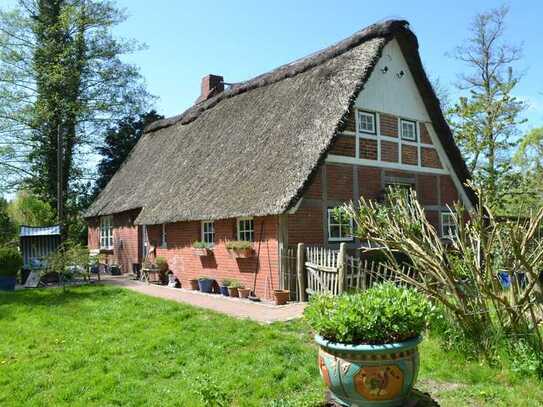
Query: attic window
x=409, y=130
x=245, y=229
x=366, y=122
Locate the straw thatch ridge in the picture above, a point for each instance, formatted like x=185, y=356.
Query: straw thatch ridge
x=254, y=147
x=384, y=29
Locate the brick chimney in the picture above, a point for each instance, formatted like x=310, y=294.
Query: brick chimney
x=211, y=86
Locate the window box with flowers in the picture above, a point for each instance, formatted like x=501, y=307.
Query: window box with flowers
x=201, y=249
x=240, y=249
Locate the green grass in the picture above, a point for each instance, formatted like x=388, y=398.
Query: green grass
x=109, y=346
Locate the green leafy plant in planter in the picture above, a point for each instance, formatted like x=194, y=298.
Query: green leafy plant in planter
x=201, y=248
x=240, y=248
x=11, y=262
x=374, y=335
x=163, y=267
x=233, y=288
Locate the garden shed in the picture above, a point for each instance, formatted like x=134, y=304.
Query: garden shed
x=37, y=243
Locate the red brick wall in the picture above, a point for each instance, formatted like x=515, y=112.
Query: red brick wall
x=339, y=179
x=344, y=145
x=369, y=182
x=410, y=154
x=314, y=190
x=449, y=194
x=350, y=123
x=126, y=246
x=389, y=125
x=424, y=135
x=429, y=158
x=427, y=191
x=221, y=265
x=389, y=151
x=368, y=149
x=306, y=226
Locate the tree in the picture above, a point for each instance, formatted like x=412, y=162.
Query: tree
x=28, y=209
x=118, y=143
x=61, y=76
x=485, y=121
x=8, y=229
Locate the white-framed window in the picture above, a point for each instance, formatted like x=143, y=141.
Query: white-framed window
x=106, y=232
x=448, y=225
x=340, y=226
x=208, y=232
x=408, y=130
x=246, y=229
x=366, y=122
x=163, y=241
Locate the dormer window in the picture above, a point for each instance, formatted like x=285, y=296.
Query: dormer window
x=366, y=122
x=409, y=130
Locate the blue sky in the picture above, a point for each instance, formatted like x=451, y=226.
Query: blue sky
x=241, y=39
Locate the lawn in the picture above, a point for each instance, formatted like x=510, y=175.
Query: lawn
x=108, y=346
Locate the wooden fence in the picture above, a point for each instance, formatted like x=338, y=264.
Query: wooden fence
x=323, y=270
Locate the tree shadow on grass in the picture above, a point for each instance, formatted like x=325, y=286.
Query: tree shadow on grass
x=11, y=302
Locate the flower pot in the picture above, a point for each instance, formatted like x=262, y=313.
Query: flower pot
x=224, y=290
x=194, y=285
x=241, y=253
x=205, y=284
x=7, y=283
x=369, y=375
x=201, y=251
x=233, y=291
x=244, y=292
x=281, y=296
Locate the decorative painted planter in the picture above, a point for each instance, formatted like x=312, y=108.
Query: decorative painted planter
x=244, y=292
x=194, y=285
x=281, y=296
x=224, y=290
x=7, y=283
x=369, y=375
x=241, y=253
x=233, y=291
x=206, y=285
x=201, y=252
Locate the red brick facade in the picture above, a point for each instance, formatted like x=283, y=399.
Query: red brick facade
x=389, y=125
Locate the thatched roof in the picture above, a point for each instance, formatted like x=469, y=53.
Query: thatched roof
x=251, y=149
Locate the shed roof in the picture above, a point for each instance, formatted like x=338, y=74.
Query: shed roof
x=252, y=149
x=29, y=231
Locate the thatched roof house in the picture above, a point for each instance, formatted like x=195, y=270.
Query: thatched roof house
x=251, y=149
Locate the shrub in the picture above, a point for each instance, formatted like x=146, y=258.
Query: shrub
x=235, y=284
x=162, y=263
x=10, y=261
x=200, y=245
x=384, y=313
x=238, y=245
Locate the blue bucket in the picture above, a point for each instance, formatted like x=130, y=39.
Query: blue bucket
x=224, y=290
x=205, y=285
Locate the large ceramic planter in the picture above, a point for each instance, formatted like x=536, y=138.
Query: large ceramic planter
x=194, y=285
x=369, y=375
x=7, y=283
x=205, y=285
x=233, y=292
x=244, y=292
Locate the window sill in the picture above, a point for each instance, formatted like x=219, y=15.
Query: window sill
x=339, y=240
x=106, y=250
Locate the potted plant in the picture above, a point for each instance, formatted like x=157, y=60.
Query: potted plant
x=281, y=296
x=240, y=249
x=368, y=343
x=162, y=265
x=205, y=284
x=233, y=288
x=194, y=284
x=244, y=292
x=223, y=286
x=10, y=263
x=201, y=249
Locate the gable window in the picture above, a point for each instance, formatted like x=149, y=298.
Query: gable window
x=448, y=225
x=163, y=242
x=208, y=232
x=366, y=122
x=340, y=226
x=409, y=130
x=245, y=229
x=106, y=232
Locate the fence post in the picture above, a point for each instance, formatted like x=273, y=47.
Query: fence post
x=341, y=266
x=300, y=271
